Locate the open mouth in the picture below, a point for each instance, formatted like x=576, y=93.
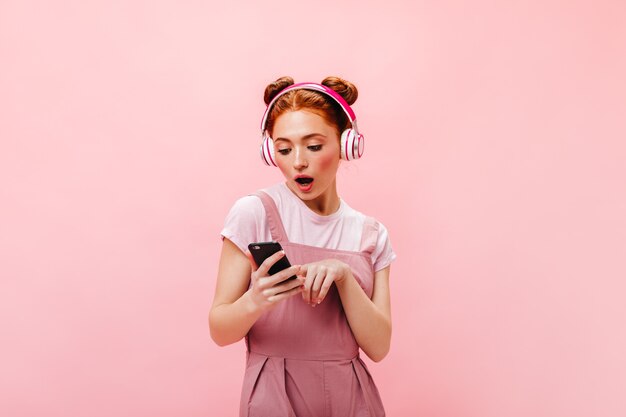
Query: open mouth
x=304, y=183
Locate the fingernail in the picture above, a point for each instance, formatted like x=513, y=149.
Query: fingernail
x=319, y=301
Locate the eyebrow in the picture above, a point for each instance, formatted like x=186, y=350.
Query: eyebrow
x=309, y=136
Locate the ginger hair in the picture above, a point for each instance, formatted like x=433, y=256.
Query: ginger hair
x=310, y=100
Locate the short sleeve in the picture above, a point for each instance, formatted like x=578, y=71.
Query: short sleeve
x=383, y=254
x=245, y=222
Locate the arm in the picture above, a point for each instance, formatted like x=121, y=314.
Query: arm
x=370, y=320
x=232, y=313
x=235, y=307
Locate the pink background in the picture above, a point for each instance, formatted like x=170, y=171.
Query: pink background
x=495, y=156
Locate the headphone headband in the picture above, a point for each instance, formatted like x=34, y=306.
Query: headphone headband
x=315, y=87
x=351, y=141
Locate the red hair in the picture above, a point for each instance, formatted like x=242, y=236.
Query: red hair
x=314, y=101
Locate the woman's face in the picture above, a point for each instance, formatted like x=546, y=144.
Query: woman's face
x=307, y=152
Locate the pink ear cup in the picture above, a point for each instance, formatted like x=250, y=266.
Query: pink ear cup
x=352, y=145
x=267, y=151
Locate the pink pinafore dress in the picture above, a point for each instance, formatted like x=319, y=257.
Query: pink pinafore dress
x=303, y=361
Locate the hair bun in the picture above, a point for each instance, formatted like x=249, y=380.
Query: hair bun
x=344, y=88
x=276, y=87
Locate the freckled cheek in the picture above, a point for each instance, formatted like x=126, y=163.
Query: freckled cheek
x=282, y=167
x=326, y=161
x=284, y=170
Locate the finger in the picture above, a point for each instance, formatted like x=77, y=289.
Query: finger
x=328, y=281
x=315, y=289
x=288, y=285
x=301, y=273
x=269, y=261
x=285, y=294
x=308, y=283
x=303, y=269
x=283, y=275
x=277, y=278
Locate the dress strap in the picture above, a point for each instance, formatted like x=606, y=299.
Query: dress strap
x=369, y=237
x=273, y=218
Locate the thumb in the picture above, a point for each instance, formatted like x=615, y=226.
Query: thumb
x=302, y=270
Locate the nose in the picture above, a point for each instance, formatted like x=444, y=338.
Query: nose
x=300, y=160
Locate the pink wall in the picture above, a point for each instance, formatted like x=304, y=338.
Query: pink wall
x=495, y=156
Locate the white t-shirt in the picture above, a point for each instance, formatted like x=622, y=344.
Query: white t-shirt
x=246, y=223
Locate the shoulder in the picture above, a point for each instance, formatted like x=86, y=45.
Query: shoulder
x=245, y=221
x=280, y=194
x=250, y=206
x=247, y=204
x=352, y=213
x=382, y=251
x=246, y=209
x=380, y=229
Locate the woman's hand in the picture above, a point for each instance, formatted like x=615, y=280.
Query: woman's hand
x=265, y=293
x=319, y=276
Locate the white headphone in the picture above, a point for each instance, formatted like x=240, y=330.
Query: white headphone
x=352, y=142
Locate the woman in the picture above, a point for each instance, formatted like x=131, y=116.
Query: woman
x=303, y=335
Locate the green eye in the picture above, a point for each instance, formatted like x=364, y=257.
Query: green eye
x=315, y=148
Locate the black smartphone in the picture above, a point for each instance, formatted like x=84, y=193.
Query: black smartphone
x=262, y=250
